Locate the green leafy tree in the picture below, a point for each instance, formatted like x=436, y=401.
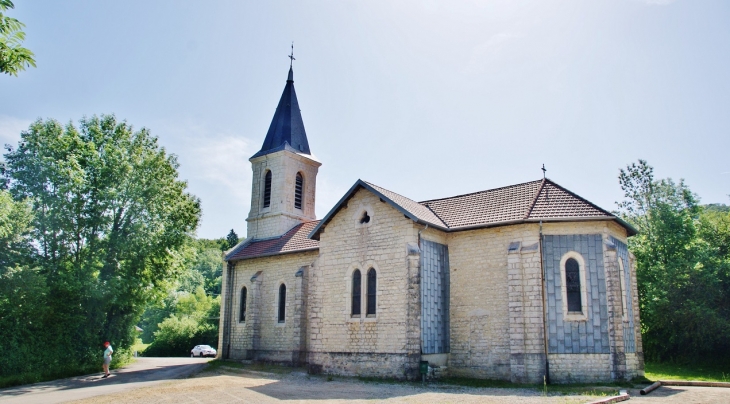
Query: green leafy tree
x=15, y=227
x=232, y=239
x=13, y=57
x=111, y=218
x=194, y=322
x=681, y=253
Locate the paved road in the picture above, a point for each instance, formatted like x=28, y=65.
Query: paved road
x=144, y=372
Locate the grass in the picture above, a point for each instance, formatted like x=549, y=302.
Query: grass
x=36, y=377
x=698, y=372
x=139, y=346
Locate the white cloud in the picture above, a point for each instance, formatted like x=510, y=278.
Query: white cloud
x=10, y=128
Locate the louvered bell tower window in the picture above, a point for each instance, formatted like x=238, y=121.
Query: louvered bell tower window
x=298, y=191
x=267, y=189
x=572, y=285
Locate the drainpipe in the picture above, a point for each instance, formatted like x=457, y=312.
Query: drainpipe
x=544, y=310
x=229, y=309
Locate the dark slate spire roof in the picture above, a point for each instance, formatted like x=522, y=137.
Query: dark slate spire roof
x=287, y=128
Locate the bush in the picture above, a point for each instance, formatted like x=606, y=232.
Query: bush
x=177, y=336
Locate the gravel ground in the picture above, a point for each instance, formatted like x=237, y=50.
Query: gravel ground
x=225, y=385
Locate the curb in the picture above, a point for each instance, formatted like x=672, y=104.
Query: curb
x=623, y=396
x=689, y=383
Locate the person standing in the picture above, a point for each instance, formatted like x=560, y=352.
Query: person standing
x=107, y=358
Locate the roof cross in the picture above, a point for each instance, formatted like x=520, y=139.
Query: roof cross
x=292, y=55
x=544, y=170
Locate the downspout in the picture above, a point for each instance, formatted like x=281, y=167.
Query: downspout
x=419, y=235
x=544, y=311
x=229, y=309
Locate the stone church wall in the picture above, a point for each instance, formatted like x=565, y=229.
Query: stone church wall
x=387, y=344
x=481, y=306
x=261, y=336
x=281, y=215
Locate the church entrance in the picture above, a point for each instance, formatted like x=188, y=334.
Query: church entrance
x=435, y=292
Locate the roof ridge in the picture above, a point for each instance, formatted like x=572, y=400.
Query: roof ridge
x=534, y=200
x=443, y=222
x=478, y=192
x=573, y=194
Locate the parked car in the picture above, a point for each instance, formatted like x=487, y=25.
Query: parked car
x=202, y=350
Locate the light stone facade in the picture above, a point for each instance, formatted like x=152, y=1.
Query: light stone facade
x=281, y=215
x=496, y=302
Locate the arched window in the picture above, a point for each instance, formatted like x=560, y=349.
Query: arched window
x=298, y=191
x=356, y=293
x=572, y=285
x=282, y=303
x=371, y=292
x=267, y=189
x=244, y=295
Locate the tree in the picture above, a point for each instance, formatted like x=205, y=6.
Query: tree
x=111, y=219
x=13, y=57
x=232, y=239
x=682, y=267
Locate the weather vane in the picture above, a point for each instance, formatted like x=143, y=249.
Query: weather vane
x=544, y=170
x=292, y=55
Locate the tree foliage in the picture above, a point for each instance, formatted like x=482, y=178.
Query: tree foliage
x=110, y=222
x=683, y=267
x=13, y=57
x=232, y=239
x=194, y=322
x=201, y=269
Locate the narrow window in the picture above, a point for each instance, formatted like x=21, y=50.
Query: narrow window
x=282, y=303
x=356, y=293
x=371, y=291
x=242, y=316
x=267, y=189
x=622, y=285
x=572, y=285
x=298, y=191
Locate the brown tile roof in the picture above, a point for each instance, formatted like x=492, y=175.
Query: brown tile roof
x=530, y=201
x=295, y=240
x=555, y=201
x=422, y=212
x=491, y=206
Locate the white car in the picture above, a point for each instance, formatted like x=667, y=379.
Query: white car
x=202, y=350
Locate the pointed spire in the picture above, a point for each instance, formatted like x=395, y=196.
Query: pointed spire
x=287, y=128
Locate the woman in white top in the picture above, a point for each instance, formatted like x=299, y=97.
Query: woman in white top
x=107, y=358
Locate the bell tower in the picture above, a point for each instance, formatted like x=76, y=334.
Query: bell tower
x=284, y=172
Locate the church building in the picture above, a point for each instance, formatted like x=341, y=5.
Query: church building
x=515, y=283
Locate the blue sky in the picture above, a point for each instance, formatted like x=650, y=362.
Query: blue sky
x=428, y=99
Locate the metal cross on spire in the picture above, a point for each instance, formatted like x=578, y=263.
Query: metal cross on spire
x=291, y=62
x=544, y=170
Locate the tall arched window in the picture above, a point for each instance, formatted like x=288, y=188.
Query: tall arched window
x=298, y=191
x=244, y=295
x=356, y=293
x=267, y=189
x=372, y=287
x=282, y=303
x=572, y=285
